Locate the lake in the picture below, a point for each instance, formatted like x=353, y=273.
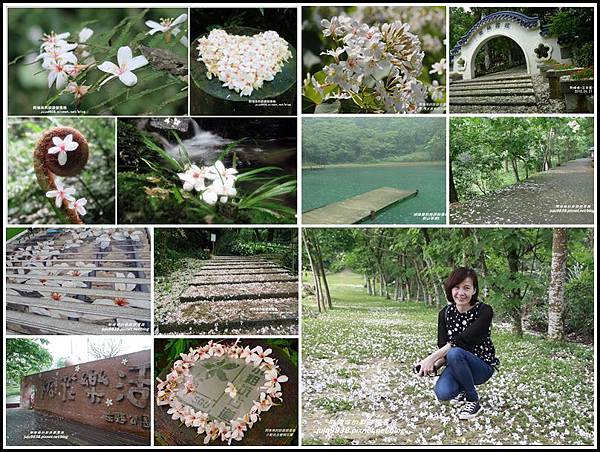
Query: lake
x=327, y=185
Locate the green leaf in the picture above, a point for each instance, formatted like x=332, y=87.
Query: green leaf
x=221, y=375
x=328, y=108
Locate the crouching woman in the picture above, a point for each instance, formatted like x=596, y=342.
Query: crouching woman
x=464, y=341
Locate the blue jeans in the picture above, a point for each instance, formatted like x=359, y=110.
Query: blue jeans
x=463, y=371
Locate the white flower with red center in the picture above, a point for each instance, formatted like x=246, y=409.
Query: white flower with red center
x=212, y=432
x=58, y=53
x=59, y=73
x=53, y=40
x=274, y=379
x=127, y=64
x=193, y=178
x=166, y=25
x=190, y=387
x=238, y=428
x=260, y=355
x=79, y=206
x=231, y=390
x=61, y=194
x=62, y=146
x=176, y=411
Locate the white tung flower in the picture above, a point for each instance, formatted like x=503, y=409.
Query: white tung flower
x=193, y=178
x=61, y=194
x=231, y=390
x=127, y=64
x=62, y=146
x=166, y=25
x=79, y=206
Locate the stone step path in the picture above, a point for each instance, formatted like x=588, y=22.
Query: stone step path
x=499, y=94
x=237, y=291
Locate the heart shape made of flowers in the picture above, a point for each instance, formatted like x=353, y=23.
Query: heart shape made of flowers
x=221, y=390
x=243, y=63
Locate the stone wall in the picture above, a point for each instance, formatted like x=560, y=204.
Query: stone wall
x=111, y=393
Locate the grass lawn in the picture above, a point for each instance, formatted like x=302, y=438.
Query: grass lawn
x=359, y=387
x=11, y=232
x=12, y=390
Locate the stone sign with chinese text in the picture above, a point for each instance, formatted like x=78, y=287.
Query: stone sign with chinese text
x=111, y=393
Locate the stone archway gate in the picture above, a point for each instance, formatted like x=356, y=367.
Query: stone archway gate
x=526, y=31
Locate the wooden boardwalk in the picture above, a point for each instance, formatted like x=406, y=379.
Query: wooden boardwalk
x=78, y=281
x=358, y=208
x=237, y=292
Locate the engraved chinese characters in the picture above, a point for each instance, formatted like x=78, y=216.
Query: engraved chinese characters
x=109, y=393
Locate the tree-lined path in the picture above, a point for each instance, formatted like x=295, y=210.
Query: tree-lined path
x=545, y=198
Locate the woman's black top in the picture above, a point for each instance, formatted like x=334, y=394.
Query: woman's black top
x=469, y=330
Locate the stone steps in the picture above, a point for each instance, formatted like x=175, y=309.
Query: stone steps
x=237, y=293
x=525, y=91
x=500, y=94
x=242, y=271
x=203, y=316
x=495, y=100
x=240, y=291
x=211, y=279
x=490, y=78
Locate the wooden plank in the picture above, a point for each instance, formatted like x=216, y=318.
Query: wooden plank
x=240, y=279
x=99, y=279
x=82, y=291
x=82, y=308
x=358, y=208
x=103, y=269
x=56, y=326
x=240, y=291
x=56, y=261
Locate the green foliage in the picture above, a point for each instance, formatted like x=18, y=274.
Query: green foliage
x=426, y=22
x=369, y=140
x=150, y=190
x=26, y=357
x=513, y=266
x=172, y=245
x=11, y=232
x=583, y=55
x=485, y=152
x=27, y=203
x=113, y=28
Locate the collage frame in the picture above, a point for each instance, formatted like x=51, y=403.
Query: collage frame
x=145, y=294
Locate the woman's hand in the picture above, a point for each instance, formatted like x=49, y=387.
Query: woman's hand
x=426, y=365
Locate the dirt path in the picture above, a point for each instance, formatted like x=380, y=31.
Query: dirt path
x=563, y=195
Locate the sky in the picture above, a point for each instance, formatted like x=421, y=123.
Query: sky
x=76, y=347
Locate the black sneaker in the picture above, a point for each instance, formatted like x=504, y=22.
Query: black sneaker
x=470, y=410
x=460, y=398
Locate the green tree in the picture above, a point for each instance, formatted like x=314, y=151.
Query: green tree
x=26, y=357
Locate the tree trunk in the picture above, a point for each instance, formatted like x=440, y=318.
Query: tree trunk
x=515, y=293
x=513, y=162
x=315, y=273
x=326, y=292
x=556, y=305
x=453, y=192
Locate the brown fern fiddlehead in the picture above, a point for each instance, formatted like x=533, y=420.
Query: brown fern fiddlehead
x=47, y=166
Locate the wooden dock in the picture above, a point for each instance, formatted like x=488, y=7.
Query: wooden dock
x=358, y=208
